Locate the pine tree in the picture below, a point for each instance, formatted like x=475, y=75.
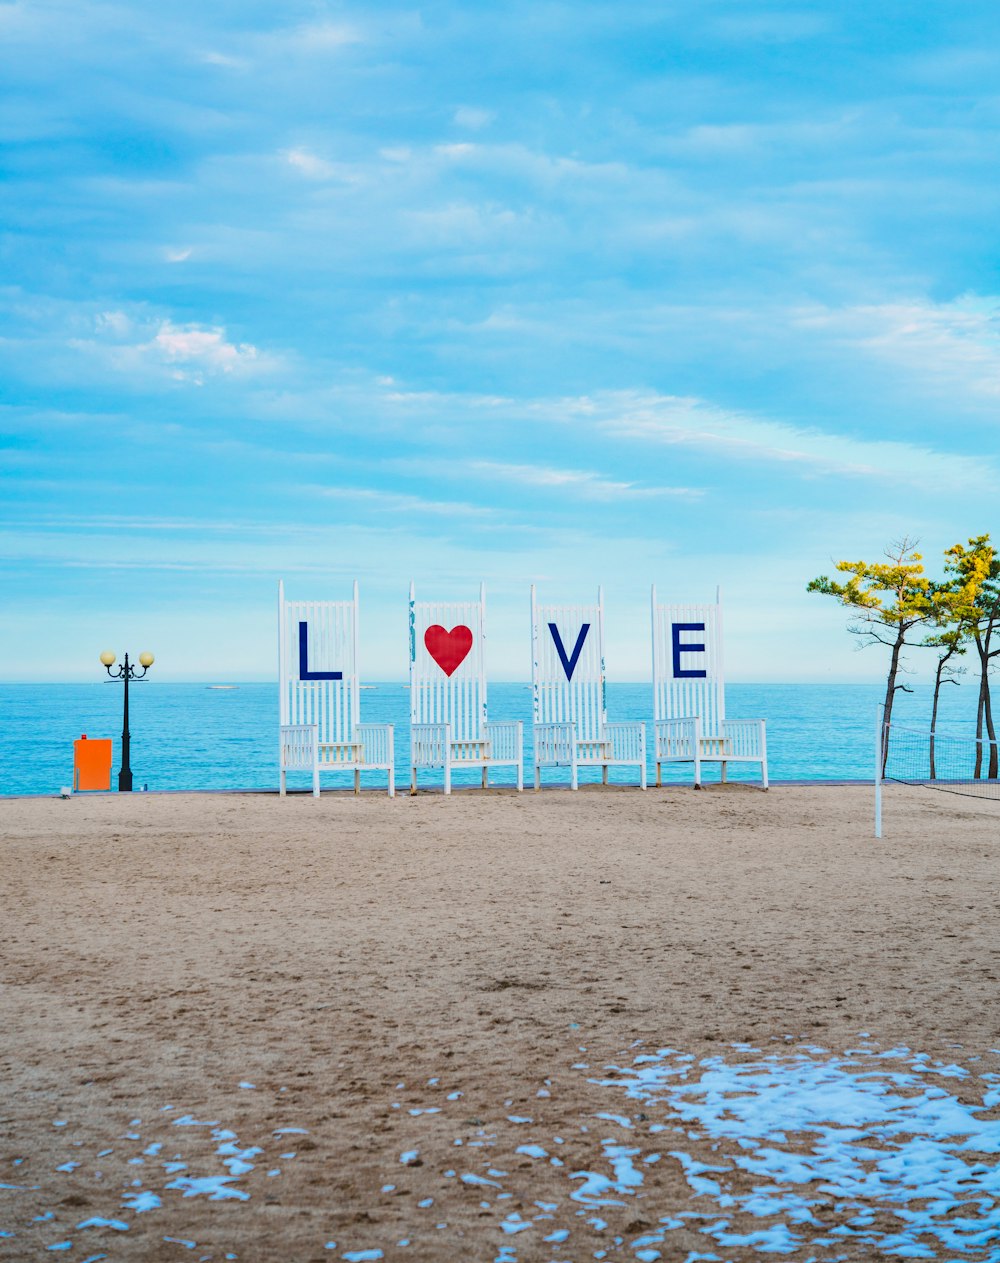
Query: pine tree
x=887, y=601
x=976, y=571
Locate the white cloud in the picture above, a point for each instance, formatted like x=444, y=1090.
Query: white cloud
x=205, y=348
x=473, y=119
x=589, y=485
x=399, y=502
x=731, y=435
x=213, y=58
x=955, y=345
x=115, y=322
x=309, y=164
x=323, y=36
x=187, y=352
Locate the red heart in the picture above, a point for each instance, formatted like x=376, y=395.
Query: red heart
x=449, y=649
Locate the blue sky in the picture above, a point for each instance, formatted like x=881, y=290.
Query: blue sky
x=568, y=293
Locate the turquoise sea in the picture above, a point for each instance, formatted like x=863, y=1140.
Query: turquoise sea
x=192, y=736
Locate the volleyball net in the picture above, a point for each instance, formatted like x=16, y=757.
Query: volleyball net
x=953, y=763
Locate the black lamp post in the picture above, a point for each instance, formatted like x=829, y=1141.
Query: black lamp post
x=126, y=671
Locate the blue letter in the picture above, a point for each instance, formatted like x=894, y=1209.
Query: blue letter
x=675, y=633
x=569, y=664
x=304, y=672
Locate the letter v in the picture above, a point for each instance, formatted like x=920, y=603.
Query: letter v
x=569, y=664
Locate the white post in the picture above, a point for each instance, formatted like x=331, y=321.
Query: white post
x=535, y=712
x=879, y=739
x=652, y=624
x=600, y=642
x=720, y=666
x=413, y=703
x=483, y=710
x=356, y=681
x=656, y=686
x=282, y=687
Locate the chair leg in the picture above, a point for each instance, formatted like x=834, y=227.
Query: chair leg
x=604, y=774
x=659, y=775
x=316, y=782
x=574, y=779
x=357, y=780
x=447, y=778
x=723, y=776
x=763, y=774
x=392, y=783
x=642, y=774
x=486, y=778
x=520, y=776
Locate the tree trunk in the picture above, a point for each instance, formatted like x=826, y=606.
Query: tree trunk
x=934, y=709
x=890, y=693
x=991, y=731
x=984, y=663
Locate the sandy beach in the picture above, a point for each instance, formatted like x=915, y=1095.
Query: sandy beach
x=307, y=1005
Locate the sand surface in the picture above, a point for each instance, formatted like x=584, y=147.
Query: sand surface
x=358, y=960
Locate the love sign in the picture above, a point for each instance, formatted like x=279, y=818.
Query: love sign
x=449, y=649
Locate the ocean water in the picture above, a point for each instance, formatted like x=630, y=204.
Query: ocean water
x=192, y=736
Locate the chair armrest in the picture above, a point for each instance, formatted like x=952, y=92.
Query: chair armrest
x=505, y=737
x=299, y=745
x=376, y=741
x=430, y=744
x=677, y=738
x=627, y=740
x=555, y=743
x=745, y=736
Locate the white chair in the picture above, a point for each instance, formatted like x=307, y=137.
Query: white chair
x=319, y=690
x=449, y=723
x=568, y=688
x=689, y=695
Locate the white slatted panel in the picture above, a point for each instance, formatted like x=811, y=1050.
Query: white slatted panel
x=556, y=699
x=330, y=704
x=681, y=698
x=458, y=699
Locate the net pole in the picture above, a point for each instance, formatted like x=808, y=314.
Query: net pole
x=879, y=744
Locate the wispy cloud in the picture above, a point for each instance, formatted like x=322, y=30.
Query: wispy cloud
x=584, y=483
x=325, y=36
x=401, y=502
x=184, y=352
x=953, y=345
x=311, y=166
x=735, y=436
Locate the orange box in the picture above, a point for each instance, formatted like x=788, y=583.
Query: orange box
x=91, y=764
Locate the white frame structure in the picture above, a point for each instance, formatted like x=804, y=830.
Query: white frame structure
x=689, y=694
x=449, y=723
x=569, y=695
x=319, y=695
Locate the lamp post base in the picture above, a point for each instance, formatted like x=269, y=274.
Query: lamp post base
x=124, y=782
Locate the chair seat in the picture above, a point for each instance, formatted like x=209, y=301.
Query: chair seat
x=340, y=752
x=470, y=751
x=593, y=751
